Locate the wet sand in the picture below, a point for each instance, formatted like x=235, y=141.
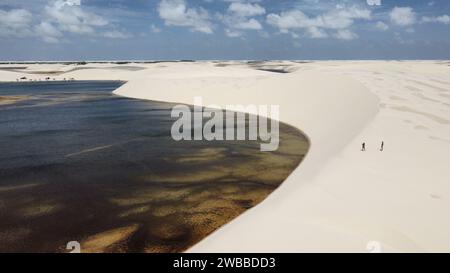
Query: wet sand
x=4, y=100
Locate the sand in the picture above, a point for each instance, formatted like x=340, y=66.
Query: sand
x=6, y=100
x=339, y=199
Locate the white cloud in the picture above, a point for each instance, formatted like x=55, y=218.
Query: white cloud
x=239, y=17
x=316, y=33
x=73, y=2
x=15, y=23
x=115, y=34
x=60, y=16
x=403, y=16
x=177, y=13
x=345, y=34
x=69, y=16
x=344, y=17
x=381, y=26
x=248, y=24
x=246, y=9
x=48, y=32
x=233, y=33
x=285, y=21
x=340, y=18
x=444, y=19
x=241, y=23
x=72, y=18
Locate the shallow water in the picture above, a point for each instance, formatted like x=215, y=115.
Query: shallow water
x=78, y=163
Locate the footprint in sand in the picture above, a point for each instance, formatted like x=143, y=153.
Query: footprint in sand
x=420, y=127
x=397, y=98
x=433, y=117
x=441, y=82
x=435, y=196
x=444, y=95
x=430, y=86
x=439, y=139
x=423, y=97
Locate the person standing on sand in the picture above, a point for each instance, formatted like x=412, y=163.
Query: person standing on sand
x=363, y=147
x=382, y=146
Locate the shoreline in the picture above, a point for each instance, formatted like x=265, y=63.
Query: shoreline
x=318, y=153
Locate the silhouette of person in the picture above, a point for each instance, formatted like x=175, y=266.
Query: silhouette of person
x=382, y=146
x=363, y=147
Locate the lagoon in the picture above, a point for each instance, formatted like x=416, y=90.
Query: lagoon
x=78, y=163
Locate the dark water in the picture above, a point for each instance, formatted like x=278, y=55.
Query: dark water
x=78, y=163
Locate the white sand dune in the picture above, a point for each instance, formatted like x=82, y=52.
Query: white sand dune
x=339, y=199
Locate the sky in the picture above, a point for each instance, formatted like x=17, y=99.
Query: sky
x=58, y=30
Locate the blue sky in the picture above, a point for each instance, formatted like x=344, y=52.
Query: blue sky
x=223, y=29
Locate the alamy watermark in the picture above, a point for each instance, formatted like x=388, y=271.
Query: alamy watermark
x=74, y=247
x=227, y=124
x=374, y=247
